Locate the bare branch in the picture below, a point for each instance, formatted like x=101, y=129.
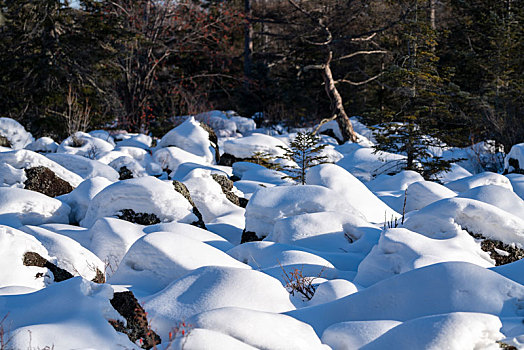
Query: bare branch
x=356, y=53
x=357, y=83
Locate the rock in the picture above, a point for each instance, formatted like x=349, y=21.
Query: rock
x=248, y=236
x=227, y=186
x=502, y=253
x=4, y=142
x=227, y=159
x=514, y=163
x=138, y=218
x=213, y=139
x=182, y=189
x=137, y=328
x=125, y=173
x=44, y=180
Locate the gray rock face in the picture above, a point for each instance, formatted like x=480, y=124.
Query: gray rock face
x=182, y=189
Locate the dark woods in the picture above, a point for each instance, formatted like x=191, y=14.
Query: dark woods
x=451, y=69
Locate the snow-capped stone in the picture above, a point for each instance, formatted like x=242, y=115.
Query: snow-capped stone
x=15, y=133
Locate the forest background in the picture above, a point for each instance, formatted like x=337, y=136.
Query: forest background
x=451, y=69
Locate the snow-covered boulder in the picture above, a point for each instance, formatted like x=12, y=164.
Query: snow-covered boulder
x=245, y=147
x=15, y=133
x=25, y=159
x=363, y=163
x=349, y=187
x=400, y=250
x=430, y=290
x=396, y=182
x=13, y=245
x=43, y=145
x=209, y=288
x=514, y=160
x=517, y=182
x=451, y=217
x=158, y=258
x=498, y=196
x=68, y=254
x=31, y=208
x=170, y=158
x=191, y=137
x=227, y=124
x=85, y=145
x=482, y=179
x=69, y=315
x=135, y=140
x=142, y=195
x=457, y=330
x=422, y=193
x=84, y=167
x=355, y=334
x=270, y=204
x=273, y=330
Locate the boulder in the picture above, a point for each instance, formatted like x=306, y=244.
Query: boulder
x=43, y=180
x=182, y=189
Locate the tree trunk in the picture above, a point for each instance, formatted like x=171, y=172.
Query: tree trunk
x=348, y=134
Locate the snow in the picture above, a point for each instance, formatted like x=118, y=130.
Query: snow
x=31, y=208
x=84, y=167
x=419, y=282
x=482, y=179
x=458, y=330
x=349, y=187
x=158, y=258
x=143, y=195
x=191, y=137
x=15, y=133
x=209, y=288
x=245, y=147
x=269, y=204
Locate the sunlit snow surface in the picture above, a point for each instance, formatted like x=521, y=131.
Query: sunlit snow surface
x=381, y=279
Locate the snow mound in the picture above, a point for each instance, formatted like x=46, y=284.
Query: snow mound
x=517, y=181
x=193, y=232
x=422, y=193
x=209, y=288
x=400, y=250
x=43, y=145
x=31, y=208
x=355, y=334
x=13, y=245
x=80, y=197
x=397, y=182
x=498, y=196
x=85, y=145
x=84, y=167
x=270, y=204
x=15, y=133
x=332, y=290
x=262, y=330
x=514, y=160
x=23, y=159
x=431, y=290
x=135, y=140
x=449, y=217
x=245, y=147
x=453, y=331
x=482, y=179
x=191, y=137
x=158, y=258
x=143, y=195
x=69, y=315
x=349, y=187
x=11, y=177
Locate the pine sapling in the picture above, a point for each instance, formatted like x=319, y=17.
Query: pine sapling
x=305, y=152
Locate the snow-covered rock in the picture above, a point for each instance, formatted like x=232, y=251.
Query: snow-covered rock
x=498, y=196
x=158, y=258
x=245, y=147
x=422, y=193
x=514, y=160
x=143, y=195
x=43, y=145
x=349, y=187
x=15, y=133
x=191, y=137
x=355, y=334
x=84, y=167
x=85, y=145
x=482, y=179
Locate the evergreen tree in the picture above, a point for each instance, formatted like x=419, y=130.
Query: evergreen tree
x=420, y=109
x=304, y=152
